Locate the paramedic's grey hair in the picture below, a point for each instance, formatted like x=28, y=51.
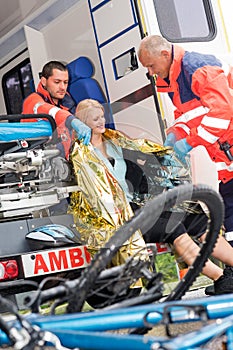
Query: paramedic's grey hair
x=153, y=44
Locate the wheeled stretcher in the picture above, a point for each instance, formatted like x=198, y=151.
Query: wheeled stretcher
x=33, y=175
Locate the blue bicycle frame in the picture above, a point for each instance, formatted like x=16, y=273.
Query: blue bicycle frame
x=87, y=330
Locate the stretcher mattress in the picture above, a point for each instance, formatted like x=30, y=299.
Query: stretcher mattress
x=28, y=130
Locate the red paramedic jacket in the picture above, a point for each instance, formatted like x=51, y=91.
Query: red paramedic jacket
x=200, y=87
x=40, y=102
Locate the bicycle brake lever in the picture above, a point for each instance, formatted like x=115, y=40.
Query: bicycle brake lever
x=53, y=339
x=22, y=338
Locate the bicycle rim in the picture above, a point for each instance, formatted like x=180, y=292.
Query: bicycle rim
x=151, y=211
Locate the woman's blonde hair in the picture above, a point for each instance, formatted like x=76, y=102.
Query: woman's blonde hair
x=84, y=106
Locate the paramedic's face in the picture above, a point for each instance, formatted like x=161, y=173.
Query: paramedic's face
x=157, y=64
x=56, y=84
x=96, y=121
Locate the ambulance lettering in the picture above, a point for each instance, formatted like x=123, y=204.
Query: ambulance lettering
x=61, y=260
x=40, y=264
x=87, y=255
x=58, y=262
x=76, y=258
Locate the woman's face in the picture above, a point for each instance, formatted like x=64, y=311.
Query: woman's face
x=96, y=121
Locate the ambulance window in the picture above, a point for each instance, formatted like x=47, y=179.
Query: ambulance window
x=17, y=84
x=182, y=20
x=125, y=63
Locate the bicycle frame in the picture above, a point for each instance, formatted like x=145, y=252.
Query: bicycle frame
x=140, y=316
x=87, y=330
x=189, y=341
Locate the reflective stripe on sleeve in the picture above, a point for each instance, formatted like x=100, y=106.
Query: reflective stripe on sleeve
x=192, y=114
x=205, y=135
x=184, y=127
x=215, y=122
x=224, y=166
x=37, y=105
x=53, y=111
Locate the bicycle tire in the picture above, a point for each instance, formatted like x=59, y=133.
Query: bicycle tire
x=152, y=209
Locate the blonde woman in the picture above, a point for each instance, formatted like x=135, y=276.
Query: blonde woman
x=103, y=203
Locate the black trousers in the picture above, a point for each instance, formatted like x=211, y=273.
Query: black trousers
x=171, y=225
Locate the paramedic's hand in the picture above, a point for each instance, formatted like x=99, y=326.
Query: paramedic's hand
x=83, y=131
x=182, y=148
x=170, y=140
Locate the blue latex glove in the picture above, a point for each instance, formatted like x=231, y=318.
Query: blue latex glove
x=169, y=160
x=181, y=148
x=83, y=131
x=170, y=140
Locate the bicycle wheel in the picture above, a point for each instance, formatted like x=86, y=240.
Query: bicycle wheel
x=175, y=200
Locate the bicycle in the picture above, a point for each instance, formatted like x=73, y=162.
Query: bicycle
x=76, y=292
x=95, y=279
x=88, y=330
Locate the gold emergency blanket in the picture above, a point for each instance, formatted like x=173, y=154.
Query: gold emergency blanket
x=101, y=207
x=143, y=145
